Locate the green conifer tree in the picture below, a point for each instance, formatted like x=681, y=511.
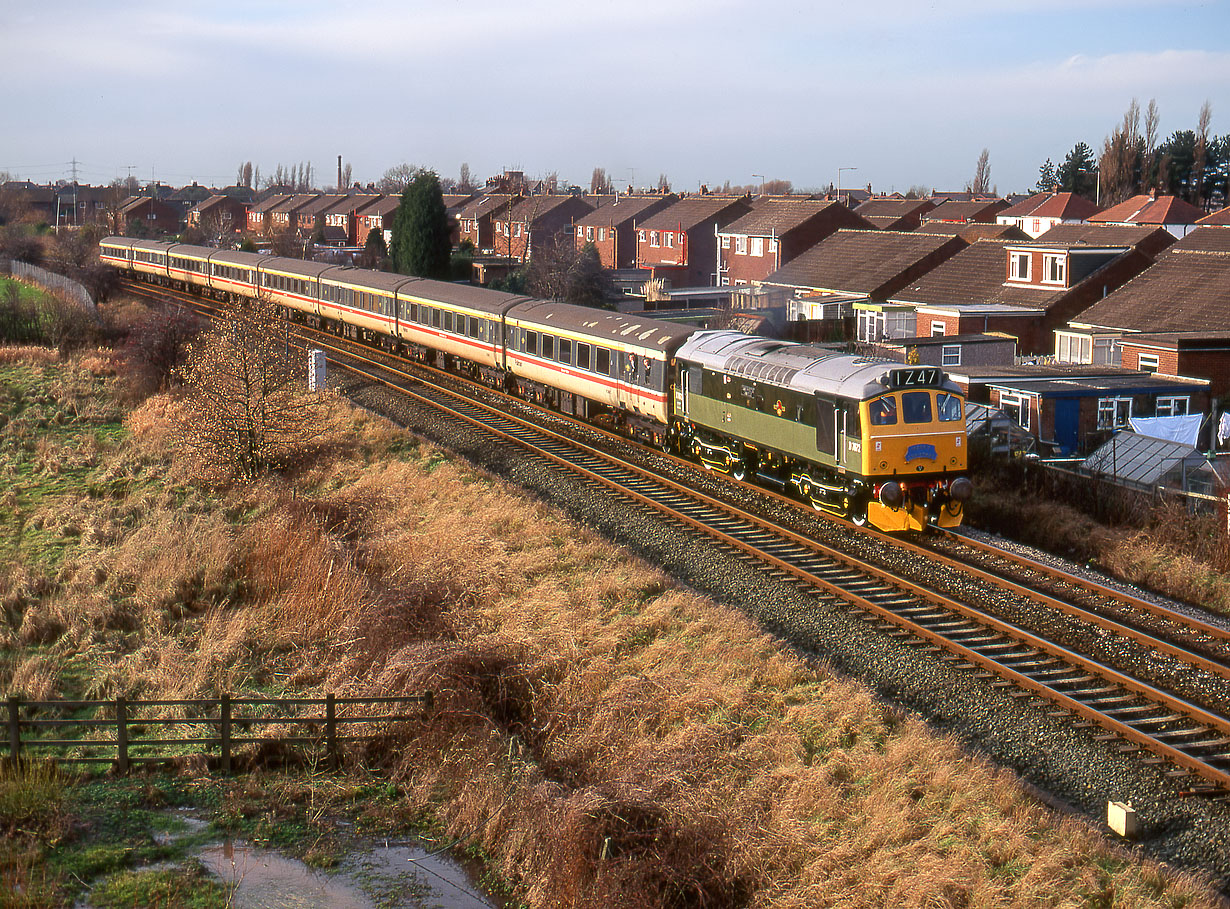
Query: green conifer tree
x=421, y=242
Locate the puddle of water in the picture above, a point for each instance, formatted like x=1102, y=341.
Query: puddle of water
x=446, y=881
x=261, y=879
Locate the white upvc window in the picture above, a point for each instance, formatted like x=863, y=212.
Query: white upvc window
x=1054, y=269
x=1114, y=413
x=640, y=236
x=1018, y=266
x=601, y=234
x=757, y=246
x=725, y=241
x=938, y=328
x=1149, y=362
x=1106, y=352
x=589, y=233
x=741, y=246
x=517, y=229
x=1073, y=348
x=1016, y=406
x=1172, y=406
x=653, y=238
x=870, y=326
x=669, y=236
x=580, y=233
x=951, y=355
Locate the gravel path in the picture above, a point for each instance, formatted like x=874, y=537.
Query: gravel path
x=1070, y=768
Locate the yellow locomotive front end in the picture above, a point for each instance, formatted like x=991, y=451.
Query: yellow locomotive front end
x=914, y=454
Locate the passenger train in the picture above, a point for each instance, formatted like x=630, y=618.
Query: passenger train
x=864, y=438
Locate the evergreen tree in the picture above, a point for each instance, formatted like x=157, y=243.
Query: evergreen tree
x=421, y=243
x=1078, y=173
x=1046, y=177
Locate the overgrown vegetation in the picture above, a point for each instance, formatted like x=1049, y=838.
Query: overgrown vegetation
x=600, y=736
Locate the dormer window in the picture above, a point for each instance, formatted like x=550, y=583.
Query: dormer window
x=1054, y=269
x=1018, y=266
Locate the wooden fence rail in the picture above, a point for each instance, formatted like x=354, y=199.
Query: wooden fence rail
x=220, y=723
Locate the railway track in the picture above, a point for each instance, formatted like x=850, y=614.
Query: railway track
x=1191, y=734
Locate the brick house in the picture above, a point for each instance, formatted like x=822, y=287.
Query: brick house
x=1042, y=211
x=611, y=227
x=219, y=216
x=376, y=216
x=342, y=217
x=1029, y=289
x=1182, y=354
x=258, y=214
x=952, y=351
x=476, y=219
x=534, y=221
x=142, y=216
x=894, y=214
x=1186, y=290
x=679, y=243
x=775, y=232
x=867, y=268
x=1169, y=212
x=975, y=211
x=311, y=216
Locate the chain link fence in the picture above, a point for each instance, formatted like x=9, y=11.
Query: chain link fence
x=67, y=288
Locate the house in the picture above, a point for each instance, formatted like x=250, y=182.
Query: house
x=341, y=219
x=964, y=211
x=679, y=243
x=868, y=267
x=309, y=218
x=284, y=217
x=1182, y=354
x=143, y=216
x=973, y=231
x=611, y=227
x=1028, y=289
x=1219, y=218
x=1040, y=212
x=376, y=216
x=77, y=204
x=533, y=221
x=774, y=232
x=1186, y=292
x=219, y=216
x=258, y=213
x=1169, y=212
x=1069, y=408
x=952, y=351
x=894, y=214
x=476, y=219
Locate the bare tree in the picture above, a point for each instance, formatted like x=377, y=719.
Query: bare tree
x=981, y=183
x=247, y=409
x=396, y=179
x=599, y=182
x=1119, y=166
x=664, y=185
x=465, y=183
x=347, y=174
x=1201, y=157
x=155, y=347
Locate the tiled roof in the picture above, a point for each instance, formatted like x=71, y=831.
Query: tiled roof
x=778, y=216
x=894, y=209
x=979, y=209
x=859, y=261
x=687, y=213
x=614, y=213
x=269, y=203
x=1186, y=289
x=1217, y=219
x=531, y=208
x=975, y=275
x=481, y=206
x=973, y=231
x=1066, y=205
x=1026, y=207
x=1147, y=210
x=354, y=202
x=1095, y=235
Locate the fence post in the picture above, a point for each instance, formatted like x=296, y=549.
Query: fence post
x=331, y=730
x=14, y=729
x=121, y=734
x=226, y=733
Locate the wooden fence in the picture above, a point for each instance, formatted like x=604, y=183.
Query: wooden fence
x=133, y=732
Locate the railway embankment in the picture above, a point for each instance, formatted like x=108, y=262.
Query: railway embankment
x=602, y=733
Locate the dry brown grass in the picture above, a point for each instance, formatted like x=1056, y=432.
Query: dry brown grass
x=608, y=739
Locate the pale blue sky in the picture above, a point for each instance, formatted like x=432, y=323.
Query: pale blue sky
x=906, y=92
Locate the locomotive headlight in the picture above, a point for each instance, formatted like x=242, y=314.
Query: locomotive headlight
x=890, y=494
x=961, y=489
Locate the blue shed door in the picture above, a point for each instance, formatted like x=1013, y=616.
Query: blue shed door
x=1067, y=419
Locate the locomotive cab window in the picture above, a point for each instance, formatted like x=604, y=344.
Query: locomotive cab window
x=947, y=407
x=916, y=406
x=883, y=411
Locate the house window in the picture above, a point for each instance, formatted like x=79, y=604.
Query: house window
x=653, y=239
x=669, y=236
x=871, y=326
x=1072, y=348
x=725, y=241
x=1114, y=413
x=938, y=329
x=1053, y=269
x=517, y=229
x=640, y=236
x=580, y=233
x=757, y=246
x=1106, y=352
x=1018, y=266
x=601, y=234
x=951, y=354
x=1149, y=362
x=741, y=245
x=1015, y=406
x=1172, y=406
x=1037, y=226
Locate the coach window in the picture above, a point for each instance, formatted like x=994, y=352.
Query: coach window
x=582, y=355
x=565, y=351
x=916, y=406
x=437, y=318
x=548, y=347
x=473, y=325
x=883, y=411
x=602, y=361
x=531, y=342
x=947, y=407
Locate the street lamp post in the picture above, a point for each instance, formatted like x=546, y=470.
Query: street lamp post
x=839, y=170
x=761, y=176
